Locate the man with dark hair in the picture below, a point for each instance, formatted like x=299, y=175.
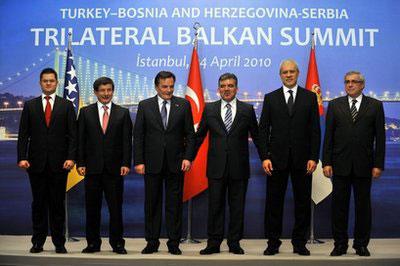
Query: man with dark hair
x=163, y=150
x=353, y=154
x=104, y=157
x=47, y=150
x=228, y=122
x=290, y=137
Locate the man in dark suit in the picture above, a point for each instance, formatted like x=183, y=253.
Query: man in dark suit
x=163, y=149
x=353, y=153
x=229, y=123
x=104, y=157
x=290, y=138
x=47, y=150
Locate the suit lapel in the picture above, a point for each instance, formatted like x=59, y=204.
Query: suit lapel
x=94, y=112
x=39, y=109
x=56, y=108
x=239, y=111
x=363, y=107
x=217, y=113
x=112, y=117
x=345, y=107
x=297, y=100
x=156, y=111
x=282, y=101
x=175, y=106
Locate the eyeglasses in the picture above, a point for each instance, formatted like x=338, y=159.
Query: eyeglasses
x=353, y=81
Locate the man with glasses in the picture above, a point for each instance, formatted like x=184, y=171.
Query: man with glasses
x=353, y=154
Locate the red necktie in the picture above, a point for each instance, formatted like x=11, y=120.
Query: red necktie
x=47, y=111
x=105, y=118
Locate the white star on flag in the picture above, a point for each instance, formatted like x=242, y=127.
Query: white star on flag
x=72, y=72
x=71, y=87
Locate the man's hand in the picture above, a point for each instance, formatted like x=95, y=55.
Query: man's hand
x=140, y=169
x=311, y=166
x=125, y=170
x=267, y=165
x=186, y=165
x=376, y=173
x=328, y=171
x=24, y=164
x=81, y=171
x=68, y=165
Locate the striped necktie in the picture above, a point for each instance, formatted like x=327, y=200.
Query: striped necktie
x=353, y=110
x=228, y=117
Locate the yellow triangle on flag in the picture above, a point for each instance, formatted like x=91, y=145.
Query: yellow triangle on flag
x=73, y=178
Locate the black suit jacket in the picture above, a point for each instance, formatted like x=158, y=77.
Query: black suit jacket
x=228, y=149
x=152, y=141
x=110, y=151
x=40, y=144
x=280, y=132
x=359, y=144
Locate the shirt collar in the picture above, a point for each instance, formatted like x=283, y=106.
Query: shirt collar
x=294, y=89
x=100, y=105
x=232, y=103
x=161, y=100
x=359, y=98
x=52, y=96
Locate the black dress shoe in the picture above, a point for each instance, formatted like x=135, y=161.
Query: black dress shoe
x=270, y=251
x=120, y=250
x=339, y=251
x=91, y=249
x=149, y=249
x=301, y=250
x=36, y=248
x=362, y=251
x=236, y=250
x=61, y=250
x=209, y=250
x=174, y=250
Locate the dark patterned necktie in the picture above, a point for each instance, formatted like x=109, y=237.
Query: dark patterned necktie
x=290, y=102
x=353, y=110
x=164, y=114
x=228, y=117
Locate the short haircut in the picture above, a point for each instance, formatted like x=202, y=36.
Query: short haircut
x=354, y=72
x=163, y=75
x=102, y=81
x=48, y=71
x=288, y=61
x=226, y=76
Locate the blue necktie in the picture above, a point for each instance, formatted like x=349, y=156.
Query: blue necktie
x=164, y=114
x=228, y=117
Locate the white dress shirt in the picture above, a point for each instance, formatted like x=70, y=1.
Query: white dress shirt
x=101, y=111
x=224, y=108
x=286, y=93
x=358, y=103
x=51, y=100
x=160, y=104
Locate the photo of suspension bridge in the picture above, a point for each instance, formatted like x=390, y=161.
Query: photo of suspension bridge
x=131, y=88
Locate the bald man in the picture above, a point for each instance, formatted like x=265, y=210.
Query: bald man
x=290, y=139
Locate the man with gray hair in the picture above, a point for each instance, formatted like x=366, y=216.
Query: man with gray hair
x=353, y=154
x=290, y=140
